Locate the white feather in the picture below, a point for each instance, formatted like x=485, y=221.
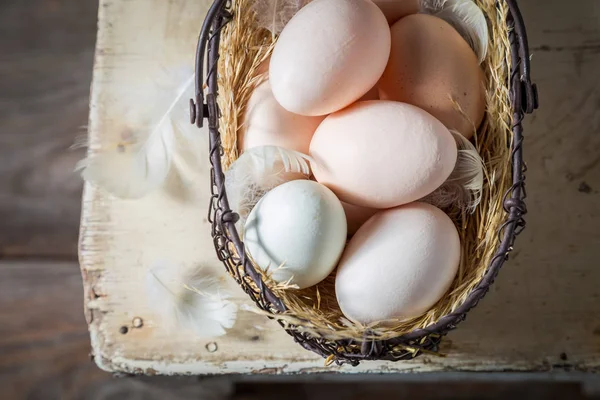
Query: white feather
x=259, y=170
x=133, y=171
x=464, y=186
x=274, y=15
x=466, y=17
x=193, y=300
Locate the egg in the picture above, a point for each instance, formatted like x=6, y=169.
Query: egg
x=382, y=154
x=297, y=231
x=398, y=265
x=266, y=123
x=432, y=67
x=396, y=9
x=356, y=216
x=329, y=55
x=263, y=67
x=372, y=94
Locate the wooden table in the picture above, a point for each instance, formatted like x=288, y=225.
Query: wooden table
x=542, y=314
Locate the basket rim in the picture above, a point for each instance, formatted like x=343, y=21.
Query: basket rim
x=523, y=99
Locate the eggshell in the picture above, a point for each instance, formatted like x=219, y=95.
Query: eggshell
x=301, y=226
x=263, y=67
x=266, y=123
x=431, y=64
x=372, y=94
x=356, y=216
x=398, y=265
x=396, y=9
x=330, y=54
x=382, y=154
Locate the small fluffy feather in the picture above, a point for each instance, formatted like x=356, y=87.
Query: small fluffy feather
x=258, y=170
x=193, y=301
x=133, y=171
x=464, y=186
x=274, y=15
x=466, y=17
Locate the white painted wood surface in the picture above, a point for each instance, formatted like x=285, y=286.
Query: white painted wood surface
x=543, y=313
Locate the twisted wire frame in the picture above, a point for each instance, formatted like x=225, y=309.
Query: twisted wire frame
x=230, y=248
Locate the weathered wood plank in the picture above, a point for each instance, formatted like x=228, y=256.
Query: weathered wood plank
x=542, y=314
x=45, y=68
x=45, y=346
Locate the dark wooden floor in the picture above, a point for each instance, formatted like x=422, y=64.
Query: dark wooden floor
x=46, y=56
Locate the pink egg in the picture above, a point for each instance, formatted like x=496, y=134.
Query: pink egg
x=398, y=265
x=266, y=123
x=382, y=154
x=372, y=94
x=432, y=67
x=356, y=216
x=329, y=55
x=396, y=9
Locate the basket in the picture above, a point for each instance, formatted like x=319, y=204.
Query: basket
x=487, y=236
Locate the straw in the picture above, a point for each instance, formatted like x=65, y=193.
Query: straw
x=314, y=311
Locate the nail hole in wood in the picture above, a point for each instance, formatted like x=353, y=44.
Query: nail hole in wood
x=137, y=322
x=212, y=347
x=123, y=330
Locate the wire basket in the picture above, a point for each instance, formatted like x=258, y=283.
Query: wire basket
x=510, y=95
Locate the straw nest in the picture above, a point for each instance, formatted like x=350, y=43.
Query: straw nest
x=314, y=310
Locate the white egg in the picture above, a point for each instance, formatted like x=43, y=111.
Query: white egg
x=329, y=55
x=297, y=231
x=398, y=264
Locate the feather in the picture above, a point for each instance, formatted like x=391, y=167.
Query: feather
x=259, y=170
x=133, y=171
x=464, y=16
x=463, y=188
x=274, y=15
x=193, y=300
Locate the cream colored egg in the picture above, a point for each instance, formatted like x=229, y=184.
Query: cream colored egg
x=297, y=231
x=266, y=123
x=329, y=55
x=382, y=154
x=396, y=9
x=398, y=265
x=432, y=67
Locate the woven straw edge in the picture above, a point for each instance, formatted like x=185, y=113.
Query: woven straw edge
x=243, y=50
